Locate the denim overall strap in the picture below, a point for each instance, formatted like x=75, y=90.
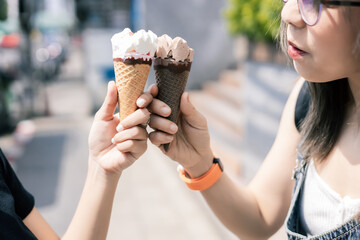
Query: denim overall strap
x=292, y=223
x=348, y=231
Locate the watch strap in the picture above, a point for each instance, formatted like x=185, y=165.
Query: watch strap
x=206, y=180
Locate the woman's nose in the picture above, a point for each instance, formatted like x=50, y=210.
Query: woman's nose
x=290, y=14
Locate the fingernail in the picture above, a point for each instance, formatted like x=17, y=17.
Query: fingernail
x=165, y=110
x=140, y=102
x=173, y=128
x=169, y=137
x=119, y=127
x=113, y=141
x=187, y=97
x=149, y=88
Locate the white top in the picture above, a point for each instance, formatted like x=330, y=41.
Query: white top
x=321, y=208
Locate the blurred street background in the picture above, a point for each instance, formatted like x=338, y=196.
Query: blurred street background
x=55, y=62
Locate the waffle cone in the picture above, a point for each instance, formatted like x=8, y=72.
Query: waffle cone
x=130, y=83
x=171, y=86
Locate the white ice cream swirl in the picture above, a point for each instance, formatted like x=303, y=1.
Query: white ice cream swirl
x=141, y=44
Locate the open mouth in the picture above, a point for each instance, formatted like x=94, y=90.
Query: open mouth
x=295, y=52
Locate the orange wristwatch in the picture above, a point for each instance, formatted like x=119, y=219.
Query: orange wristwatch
x=205, y=181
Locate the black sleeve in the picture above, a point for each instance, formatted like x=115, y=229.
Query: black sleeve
x=23, y=200
x=302, y=105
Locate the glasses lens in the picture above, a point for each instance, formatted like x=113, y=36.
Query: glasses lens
x=309, y=10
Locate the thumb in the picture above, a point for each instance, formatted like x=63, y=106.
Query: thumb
x=190, y=114
x=106, y=111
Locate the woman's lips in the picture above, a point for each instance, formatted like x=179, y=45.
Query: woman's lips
x=295, y=52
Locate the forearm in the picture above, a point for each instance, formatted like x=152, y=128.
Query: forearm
x=92, y=217
x=260, y=209
x=232, y=203
x=237, y=208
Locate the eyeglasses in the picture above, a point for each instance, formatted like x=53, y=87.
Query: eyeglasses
x=310, y=10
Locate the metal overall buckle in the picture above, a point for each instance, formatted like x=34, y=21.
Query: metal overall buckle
x=300, y=162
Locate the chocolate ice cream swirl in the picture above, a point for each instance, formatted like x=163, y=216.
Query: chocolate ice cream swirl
x=176, y=49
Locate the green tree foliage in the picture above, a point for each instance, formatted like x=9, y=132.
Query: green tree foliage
x=257, y=19
x=3, y=10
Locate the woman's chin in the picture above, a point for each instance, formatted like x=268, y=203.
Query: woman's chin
x=311, y=74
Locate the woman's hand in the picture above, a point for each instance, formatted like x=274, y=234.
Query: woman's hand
x=114, y=146
x=190, y=140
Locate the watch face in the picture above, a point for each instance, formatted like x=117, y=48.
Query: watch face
x=217, y=160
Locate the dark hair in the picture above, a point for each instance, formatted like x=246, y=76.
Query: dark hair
x=323, y=123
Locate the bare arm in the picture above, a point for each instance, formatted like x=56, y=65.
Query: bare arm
x=39, y=227
x=255, y=211
x=259, y=209
x=110, y=152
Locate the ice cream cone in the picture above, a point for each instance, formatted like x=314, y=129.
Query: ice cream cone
x=171, y=82
x=172, y=63
x=171, y=87
x=130, y=83
x=132, y=56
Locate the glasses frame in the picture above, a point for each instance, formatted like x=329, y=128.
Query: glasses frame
x=327, y=3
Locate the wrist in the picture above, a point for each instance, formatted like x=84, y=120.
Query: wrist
x=202, y=167
x=99, y=174
x=204, y=181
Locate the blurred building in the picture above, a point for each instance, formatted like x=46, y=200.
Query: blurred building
x=105, y=14
x=202, y=24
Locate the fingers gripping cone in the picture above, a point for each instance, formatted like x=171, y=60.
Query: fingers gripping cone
x=130, y=83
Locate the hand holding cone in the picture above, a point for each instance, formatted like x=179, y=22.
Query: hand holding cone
x=132, y=55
